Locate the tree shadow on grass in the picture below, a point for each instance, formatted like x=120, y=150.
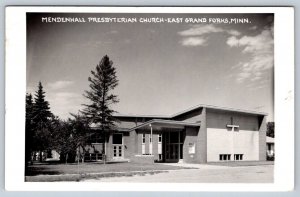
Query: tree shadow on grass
x=43, y=168
x=34, y=171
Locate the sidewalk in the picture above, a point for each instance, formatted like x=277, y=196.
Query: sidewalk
x=221, y=165
x=197, y=166
x=204, y=174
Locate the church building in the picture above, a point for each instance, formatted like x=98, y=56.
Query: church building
x=201, y=134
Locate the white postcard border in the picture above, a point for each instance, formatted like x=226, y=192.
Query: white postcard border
x=15, y=73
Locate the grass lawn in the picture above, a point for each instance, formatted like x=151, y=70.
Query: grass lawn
x=73, y=172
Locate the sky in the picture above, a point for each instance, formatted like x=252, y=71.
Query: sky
x=162, y=68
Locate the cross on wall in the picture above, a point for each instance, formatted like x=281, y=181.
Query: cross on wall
x=231, y=125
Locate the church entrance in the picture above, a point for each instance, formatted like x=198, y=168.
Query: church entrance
x=173, y=145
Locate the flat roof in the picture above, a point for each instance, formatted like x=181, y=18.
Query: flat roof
x=191, y=109
x=166, y=122
x=220, y=108
x=141, y=116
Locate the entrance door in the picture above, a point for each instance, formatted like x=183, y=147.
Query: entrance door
x=172, y=154
x=173, y=146
x=118, y=145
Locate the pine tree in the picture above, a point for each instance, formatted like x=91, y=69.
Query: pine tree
x=41, y=116
x=28, y=130
x=99, y=111
x=41, y=112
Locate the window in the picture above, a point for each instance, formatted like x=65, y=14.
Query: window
x=174, y=137
x=159, y=157
x=159, y=138
x=95, y=138
x=269, y=146
x=224, y=157
x=117, y=138
x=181, y=136
x=143, y=144
x=238, y=157
x=144, y=138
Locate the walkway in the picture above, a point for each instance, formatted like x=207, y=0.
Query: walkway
x=204, y=174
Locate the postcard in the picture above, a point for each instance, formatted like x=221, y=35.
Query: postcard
x=149, y=98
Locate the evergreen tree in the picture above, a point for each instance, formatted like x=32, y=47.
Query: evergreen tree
x=99, y=111
x=41, y=112
x=41, y=121
x=28, y=129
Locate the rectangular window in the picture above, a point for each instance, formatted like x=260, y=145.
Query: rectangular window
x=159, y=157
x=159, y=138
x=143, y=144
x=174, y=137
x=120, y=151
x=224, y=157
x=181, y=137
x=117, y=138
x=238, y=157
x=95, y=138
x=115, y=151
x=144, y=138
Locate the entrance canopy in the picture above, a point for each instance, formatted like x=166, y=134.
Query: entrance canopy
x=161, y=123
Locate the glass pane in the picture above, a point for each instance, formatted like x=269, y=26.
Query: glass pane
x=167, y=137
x=181, y=137
x=174, y=137
x=144, y=138
x=117, y=138
x=167, y=152
x=181, y=151
x=176, y=151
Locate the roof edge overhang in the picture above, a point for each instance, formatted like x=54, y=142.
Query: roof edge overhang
x=166, y=122
x=221, y=109
x=194, y=108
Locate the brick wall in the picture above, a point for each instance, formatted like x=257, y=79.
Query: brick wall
x=202, y=138
x=142, y=159
x=190, y=139
x=129, y=144
x=138, y=145
x=262, y=138
x=195, y=135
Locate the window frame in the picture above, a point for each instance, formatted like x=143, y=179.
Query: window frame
x=224, y=157
x=160, y=138
x=121, y=138
x=143, y=138
x=238, y=157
